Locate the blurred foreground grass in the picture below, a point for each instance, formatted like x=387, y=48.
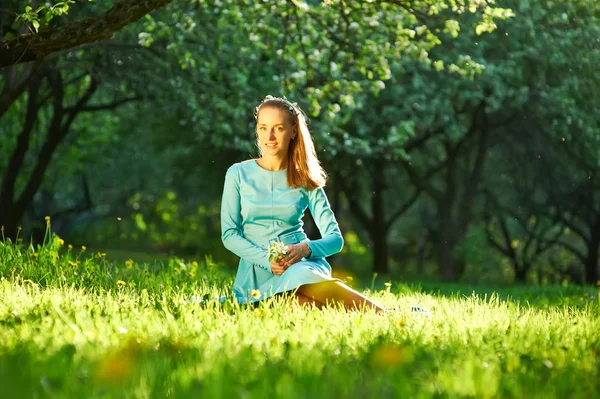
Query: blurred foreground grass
x=74, y=325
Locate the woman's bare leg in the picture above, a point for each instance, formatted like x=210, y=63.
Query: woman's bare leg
x=336, y=291
x=303, y=300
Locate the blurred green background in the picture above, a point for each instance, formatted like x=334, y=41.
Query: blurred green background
x=462, y=140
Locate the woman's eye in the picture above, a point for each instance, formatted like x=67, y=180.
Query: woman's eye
x=279, y=129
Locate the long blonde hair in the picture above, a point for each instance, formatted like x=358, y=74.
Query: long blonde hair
x=304, y=169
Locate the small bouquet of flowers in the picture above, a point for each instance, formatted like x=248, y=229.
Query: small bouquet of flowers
x=277, y=250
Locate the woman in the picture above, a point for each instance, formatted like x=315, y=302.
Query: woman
x=264, y=200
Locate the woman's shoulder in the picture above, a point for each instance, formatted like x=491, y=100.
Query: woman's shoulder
x=247, y=163
x=242, y=165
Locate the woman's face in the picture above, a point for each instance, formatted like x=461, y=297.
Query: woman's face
x=274, y=131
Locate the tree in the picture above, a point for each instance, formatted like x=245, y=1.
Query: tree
x=46, y=90
x=48, y=87
x=221, y=92
x=557, y=133
x=518, y=82
x=574, y=200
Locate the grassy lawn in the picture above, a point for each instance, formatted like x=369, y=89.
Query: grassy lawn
x=85, y=327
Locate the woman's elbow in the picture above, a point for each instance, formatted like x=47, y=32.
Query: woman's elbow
x=340, y=243
x=226, y=238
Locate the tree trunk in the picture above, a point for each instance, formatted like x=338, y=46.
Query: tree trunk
x=13, y=208
x=378, y=225
x=591, y=260
x=8, y=225
x=421, y=251
x=445, y=259
x=521, y=272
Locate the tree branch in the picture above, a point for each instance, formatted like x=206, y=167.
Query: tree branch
x=507, y=240
x=546, y=244
x=55, y=136
x=402, y=209
x=417, y=181
x=10, y=94
x=28, y=47
x=355, y=207
x=417, y=142
x=16, y=161
x=495, y=243
x=573, y=250
x=108, y=106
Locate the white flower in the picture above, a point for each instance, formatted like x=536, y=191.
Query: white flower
x=277, y=249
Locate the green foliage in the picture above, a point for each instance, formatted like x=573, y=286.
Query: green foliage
x=158, y=222
x=42, y=16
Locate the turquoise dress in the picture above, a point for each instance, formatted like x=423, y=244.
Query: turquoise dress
x=258, y=207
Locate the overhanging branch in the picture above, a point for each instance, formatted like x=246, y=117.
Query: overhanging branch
x=36, y=46
x=108, y=106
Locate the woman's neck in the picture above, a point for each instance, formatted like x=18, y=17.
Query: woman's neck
x=274, y=164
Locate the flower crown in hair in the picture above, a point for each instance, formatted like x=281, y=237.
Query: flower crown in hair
x=290, y=105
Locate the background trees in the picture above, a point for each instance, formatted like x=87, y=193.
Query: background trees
x=450, y=131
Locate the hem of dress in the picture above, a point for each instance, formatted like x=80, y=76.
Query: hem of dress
x=264, y=295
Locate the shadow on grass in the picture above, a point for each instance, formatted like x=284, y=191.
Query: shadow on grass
x=541, y=296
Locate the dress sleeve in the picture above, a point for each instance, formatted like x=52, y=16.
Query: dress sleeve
x=332, y=241
x=231, y=224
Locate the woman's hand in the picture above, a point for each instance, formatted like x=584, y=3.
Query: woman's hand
x=295, y=253
x=278, y=267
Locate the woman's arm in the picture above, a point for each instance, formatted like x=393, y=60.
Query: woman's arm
x=332, y=241
x=231, y=223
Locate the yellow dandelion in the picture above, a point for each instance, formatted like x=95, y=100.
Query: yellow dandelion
x=19, y=240
x=34, y=255
x=71, y=263
x=129, y=263
x=70, y=246
x=83, y=247
x=121, y=282
x=192, y=274
x=255, y=294
x=47, y=219
x=115, y=368
x=389, y=355
x=61, y=241
x=195, y=264
x=400, y=323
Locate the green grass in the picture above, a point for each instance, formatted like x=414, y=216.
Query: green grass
x=74, y=325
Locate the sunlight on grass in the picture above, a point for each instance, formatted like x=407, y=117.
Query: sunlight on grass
x=93, y=328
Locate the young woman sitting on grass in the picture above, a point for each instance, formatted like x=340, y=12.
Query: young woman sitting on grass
x=263, y=203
